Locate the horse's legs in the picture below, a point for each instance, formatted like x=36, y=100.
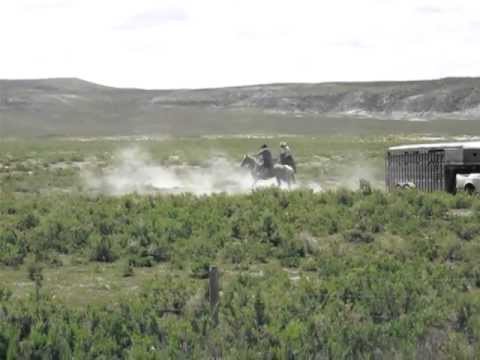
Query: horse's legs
x=288, y=181
x=279, y=183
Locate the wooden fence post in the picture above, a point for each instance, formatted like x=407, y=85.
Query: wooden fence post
x=213, y=292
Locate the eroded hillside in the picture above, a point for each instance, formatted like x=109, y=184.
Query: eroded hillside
x=73, y=106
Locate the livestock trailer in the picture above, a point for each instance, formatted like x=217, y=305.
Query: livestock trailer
x=433, y=167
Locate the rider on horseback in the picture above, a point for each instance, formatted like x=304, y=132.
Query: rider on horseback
x=265, y=169
x=266, y=161
x=286, y=157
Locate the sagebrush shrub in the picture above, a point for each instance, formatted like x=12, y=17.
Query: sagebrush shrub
x=102, y=249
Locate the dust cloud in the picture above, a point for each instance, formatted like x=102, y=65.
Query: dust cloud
x=351, y=178
x=134, y=171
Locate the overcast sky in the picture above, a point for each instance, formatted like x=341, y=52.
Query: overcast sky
x=210, y=43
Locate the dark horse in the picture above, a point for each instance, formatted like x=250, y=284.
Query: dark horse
x=282, y=173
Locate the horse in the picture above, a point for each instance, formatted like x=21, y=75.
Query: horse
x=282, y=173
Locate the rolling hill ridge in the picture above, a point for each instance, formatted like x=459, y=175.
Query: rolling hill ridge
x=73, y=106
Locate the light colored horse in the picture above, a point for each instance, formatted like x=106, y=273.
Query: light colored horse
x=282, y=173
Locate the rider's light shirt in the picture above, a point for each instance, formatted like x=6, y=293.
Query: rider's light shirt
x=286, y=157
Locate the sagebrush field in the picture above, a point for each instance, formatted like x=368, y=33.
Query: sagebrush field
x=345, y=272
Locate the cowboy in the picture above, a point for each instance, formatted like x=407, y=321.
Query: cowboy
x=286, y=157
x=266, y=162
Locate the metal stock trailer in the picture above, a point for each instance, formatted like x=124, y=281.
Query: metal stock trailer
x=430, y=167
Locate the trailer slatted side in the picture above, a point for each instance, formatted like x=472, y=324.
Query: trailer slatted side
x=425, y=170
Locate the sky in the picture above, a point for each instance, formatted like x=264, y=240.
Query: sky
x=211, y=43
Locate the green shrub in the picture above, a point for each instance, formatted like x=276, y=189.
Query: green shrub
x=200, y=268
x=344, y=197
x=102, y=249
x=235, y=252
x=462, y=201
x=269, y=229
x=28, y=222
x=289, y=289
x=365, y=187
x=141, y=261
x=358, y=236
x=12, y=249
x=468, y=231
x=159, y=252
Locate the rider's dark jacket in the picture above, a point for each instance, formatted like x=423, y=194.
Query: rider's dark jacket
x=266, y=155
x=286, y=158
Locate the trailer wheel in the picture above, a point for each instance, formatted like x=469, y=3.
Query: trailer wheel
x=469, y=189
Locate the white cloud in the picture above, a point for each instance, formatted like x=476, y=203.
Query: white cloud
x=429, y=9
x=154, y=17
x=189, y=43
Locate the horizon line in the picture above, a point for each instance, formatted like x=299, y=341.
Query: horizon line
x=242, y=86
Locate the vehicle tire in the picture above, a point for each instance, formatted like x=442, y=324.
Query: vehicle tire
x=469, y=189
x=409, y=185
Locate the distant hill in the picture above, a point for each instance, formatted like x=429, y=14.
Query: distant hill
x=69, y=106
